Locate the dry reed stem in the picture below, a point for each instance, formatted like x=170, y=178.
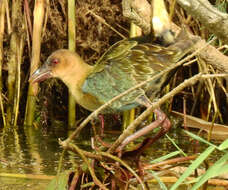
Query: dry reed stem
x=39, y=10
x=8, y=17
x=18, y=81
x=2, y=27
x=169, y=161
x=100, y=19
x=72, y=47
x=16, y=13
x=27, y=176
x=168, y=179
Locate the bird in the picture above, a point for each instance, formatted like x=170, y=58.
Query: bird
x=124, y=65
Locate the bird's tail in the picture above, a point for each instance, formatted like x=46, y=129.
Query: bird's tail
x=184, y=43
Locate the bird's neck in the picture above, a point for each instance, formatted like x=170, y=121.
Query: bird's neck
x=74, y=80
x=76, y=75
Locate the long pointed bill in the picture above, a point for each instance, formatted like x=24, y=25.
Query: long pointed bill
x=41, y=74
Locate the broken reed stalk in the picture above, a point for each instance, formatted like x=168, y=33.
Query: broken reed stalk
x=71, y=46
x=2, y=28
x=169, y=162
x=27, y=18
x=38, y=17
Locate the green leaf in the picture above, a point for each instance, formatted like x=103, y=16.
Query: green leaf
x=224, y=145
x=162, y=185
x=60, y=182
x=219, y=167
x=193, y=166
x=160, y=159
x=174, y=144
x=199, y=139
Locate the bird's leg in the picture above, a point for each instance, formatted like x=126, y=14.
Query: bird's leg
x=165, y=126
x=161, y=119
x=94, y=123
x=101, y=117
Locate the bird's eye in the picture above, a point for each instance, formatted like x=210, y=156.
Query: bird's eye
x=55, y=61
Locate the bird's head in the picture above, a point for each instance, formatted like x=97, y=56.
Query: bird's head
x=59, y=64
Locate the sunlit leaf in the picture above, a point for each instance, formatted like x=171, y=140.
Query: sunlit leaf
x=162, y=185
x=160, y=159
x=224, y=145
x=199, y=138
x=193, y=166
x=173, y=142
x=60, y=182
x=218, y=168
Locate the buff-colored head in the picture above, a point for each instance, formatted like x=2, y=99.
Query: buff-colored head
x=61, y=64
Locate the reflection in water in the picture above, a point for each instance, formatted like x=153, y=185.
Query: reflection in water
x=29, y=151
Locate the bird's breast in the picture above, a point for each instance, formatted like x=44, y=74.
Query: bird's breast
x=86, y=100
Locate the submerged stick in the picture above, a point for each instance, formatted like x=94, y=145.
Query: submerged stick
x=27, y=176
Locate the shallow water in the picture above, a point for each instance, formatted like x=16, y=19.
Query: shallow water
x=30, y=151
x=36, y=151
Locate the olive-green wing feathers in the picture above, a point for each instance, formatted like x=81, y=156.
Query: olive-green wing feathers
x=124, y=65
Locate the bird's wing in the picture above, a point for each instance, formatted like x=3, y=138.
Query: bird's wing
x=123, y=66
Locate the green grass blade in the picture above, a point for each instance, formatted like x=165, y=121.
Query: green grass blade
x=162, y=185
x=200, y=139
x=219, y=167
x=160, y=159
x=224, y=145
x=193, y=166
x=173, y=142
